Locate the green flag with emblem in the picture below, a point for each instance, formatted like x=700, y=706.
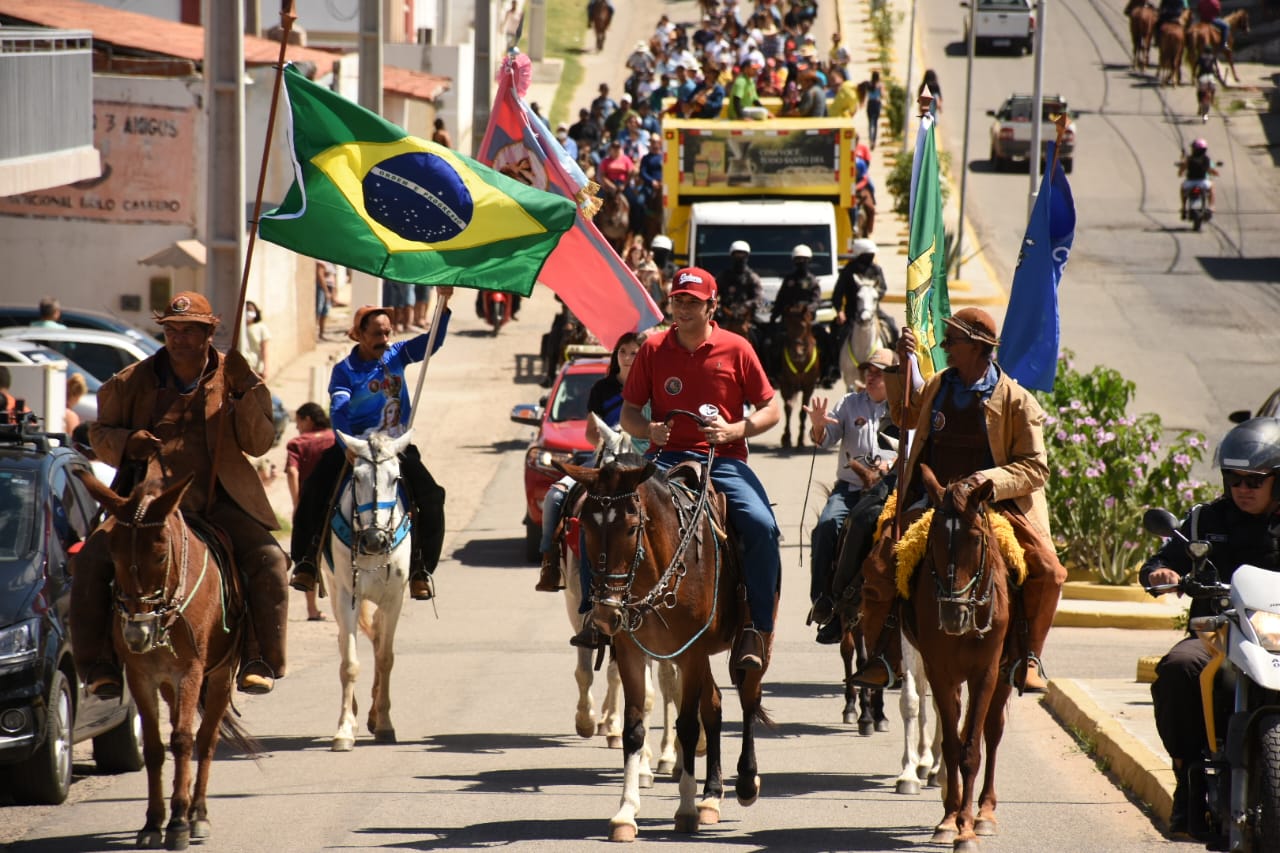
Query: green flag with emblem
x=928, y=304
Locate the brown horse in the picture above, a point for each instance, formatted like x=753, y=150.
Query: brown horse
x=801, y=366
x=961, y=611
x=614, y=217
x=1142, y=27
x=1205, y=36
x=1171, y=39
x=667, y=585
x=178, y=633
x=737, y=318
x=601, y=17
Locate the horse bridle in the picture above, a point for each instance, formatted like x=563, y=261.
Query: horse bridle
x=977, y=592
x=364, y=536
x=156, y=612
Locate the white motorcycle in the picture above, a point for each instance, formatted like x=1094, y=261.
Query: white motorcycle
x=1242, y=772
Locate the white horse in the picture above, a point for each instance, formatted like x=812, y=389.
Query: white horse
x=922, y=750
x=867, y=333
x=366, y=570
x=608, y=722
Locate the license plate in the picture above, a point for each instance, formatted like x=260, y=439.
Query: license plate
x=1001, y=42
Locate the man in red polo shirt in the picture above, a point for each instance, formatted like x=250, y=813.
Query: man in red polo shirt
x=699, y=367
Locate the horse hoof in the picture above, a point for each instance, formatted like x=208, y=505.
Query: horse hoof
x=687, y=823
x=584, y=728
x=613, y=741
x=342, y=744
x=908, y=787
x=646, y=780
x=943, y=835
x=931, y=781
x=986, y=826
x=177, y=839
x=849, y=718
x=968, y=845
x=602, y=728
x=200, y=830
x=748, y=793
x=149, y=839
x=866, y=729
x=666, y=767
x=708, y=815
x=385, y=736
x=882, y=725
x=622, y=832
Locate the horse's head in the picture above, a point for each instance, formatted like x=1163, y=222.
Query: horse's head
x=961, y=554
x=149, y=565
x=379, y=521
x=865, y=301
x=613, y=519
x=797, y=320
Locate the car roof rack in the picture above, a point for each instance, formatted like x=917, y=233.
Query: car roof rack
x=27, y=433
x=573, y=351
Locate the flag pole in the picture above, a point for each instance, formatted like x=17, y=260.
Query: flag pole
x=287, y=17
x=442, y=302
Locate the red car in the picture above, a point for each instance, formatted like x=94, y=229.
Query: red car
x=561, y=419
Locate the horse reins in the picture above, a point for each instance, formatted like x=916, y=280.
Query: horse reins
x=358, y=527
x=977, y=592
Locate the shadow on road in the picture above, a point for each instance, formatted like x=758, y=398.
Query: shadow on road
x=491, y=553
x=1261, y=270
x=482, y=742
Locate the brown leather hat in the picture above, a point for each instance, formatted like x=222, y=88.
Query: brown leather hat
x=882, y=358
x=357, y=320
x=976, y=324
x=188, y=307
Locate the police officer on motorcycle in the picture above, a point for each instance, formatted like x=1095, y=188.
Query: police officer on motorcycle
x=1242, y=527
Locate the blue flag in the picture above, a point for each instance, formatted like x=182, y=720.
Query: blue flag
x=1029, y=340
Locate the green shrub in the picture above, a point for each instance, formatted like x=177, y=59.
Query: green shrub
x=895, y=106
x=1106, y=468
x=898, y=183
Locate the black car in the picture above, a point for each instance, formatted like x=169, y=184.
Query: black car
x=45, y=513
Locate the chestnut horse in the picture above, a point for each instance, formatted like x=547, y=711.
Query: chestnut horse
x=1171, y=38
x=178, y=634
x=961, y=613
x=601, y=17
x=1142, y=27
x=668, y=586
x=1205, y=36
x=801, y=367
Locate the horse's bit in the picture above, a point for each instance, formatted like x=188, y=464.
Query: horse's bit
x=973, y=595
x=148, y=627
x=375, y=540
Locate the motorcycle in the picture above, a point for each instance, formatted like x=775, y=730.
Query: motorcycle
x=1198, y=207
x=495, y=308
x=1240, y=782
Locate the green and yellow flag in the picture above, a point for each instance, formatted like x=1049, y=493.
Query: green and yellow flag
x=368, y=196
x=928, y=304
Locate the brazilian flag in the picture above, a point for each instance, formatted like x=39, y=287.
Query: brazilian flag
x=366, y=195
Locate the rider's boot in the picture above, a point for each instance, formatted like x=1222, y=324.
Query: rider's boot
x=91, y=572
x=550, y=578
x=751, y=651
x=1040, y=593
x=304, y=575
x=264, y=647
x=884, y=637
x=588, y=637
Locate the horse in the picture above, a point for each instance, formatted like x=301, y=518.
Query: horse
x=961, y=615
x=1171, y=38
x=667, y=586
x=739, y=319
x=370, y=542
x=1142, y=27
x=801, y=366
x=867, y=333
x=601, y=17
x=614, y=217
x=1205, y=36
x=178, y=634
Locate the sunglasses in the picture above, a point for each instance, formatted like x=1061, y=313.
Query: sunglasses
x=952, y=340
x=1248, y=480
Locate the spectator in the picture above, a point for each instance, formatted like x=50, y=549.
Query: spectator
x=512, y=20
x=440, y=136
x=651, y=167
x=648, y=120
x=618, y=118
x=653, y=106
x=604, y=103
x=395, y=297
x=838, y=57
x=566, y=141
x=76, y=388
x=537, y=111
x=813, y=95
x=615, y=168
x=254, y=339
x=315, y=436
x=50, y=314
x=743, y=96
x=420, y=299
x=641, y=59
x=844, y=101
x=686, y=84
x=875, y=95
x=9, y=407
x=325, y=295
x=634, y=138
x=586, y=131
x=930, y=85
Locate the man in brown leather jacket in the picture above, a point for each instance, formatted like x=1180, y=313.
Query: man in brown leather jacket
x=188, y=409
x=973, y=423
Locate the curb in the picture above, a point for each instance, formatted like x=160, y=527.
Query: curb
x=1147, y=775
x=1069, y=618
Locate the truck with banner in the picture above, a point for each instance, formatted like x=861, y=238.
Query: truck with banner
x=775, y=184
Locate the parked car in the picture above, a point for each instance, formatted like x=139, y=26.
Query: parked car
x=45, y=514
x=29, y=352
x=74, y=318
x=561, y=419
x=1007, y=24
x=1270, y=408
x=1011, y=130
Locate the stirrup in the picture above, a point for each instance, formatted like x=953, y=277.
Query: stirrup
x=888, y=668
x=1024, y=663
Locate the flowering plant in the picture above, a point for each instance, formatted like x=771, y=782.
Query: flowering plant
x=1107, y=467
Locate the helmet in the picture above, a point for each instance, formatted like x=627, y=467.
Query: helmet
x=660, y=241
x=801, y=251
x=1252, y=446
x=1199, y=145
x=740, y=246
x=864, y=246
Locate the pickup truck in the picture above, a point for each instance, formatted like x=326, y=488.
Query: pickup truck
x=1001, y=24
x=1011, y=130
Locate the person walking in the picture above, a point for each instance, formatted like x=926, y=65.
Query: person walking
x=315, y=437
x=874, y=100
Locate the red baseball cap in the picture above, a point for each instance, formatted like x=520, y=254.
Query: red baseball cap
x=694, y=281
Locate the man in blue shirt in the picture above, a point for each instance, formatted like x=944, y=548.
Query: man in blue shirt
x=368, y=393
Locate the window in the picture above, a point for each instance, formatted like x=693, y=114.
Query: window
x=17, y=513
x=572, y=396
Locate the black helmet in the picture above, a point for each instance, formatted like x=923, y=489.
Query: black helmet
x=1252, y=446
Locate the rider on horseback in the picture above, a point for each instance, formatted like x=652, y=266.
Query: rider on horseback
x=591, y=9
x=800, y=287
x=861, y=269
x=366, y=389
x=1171, y=11
x=863, y=475
x=973, y=425
x=739, y=285
x=166, y=417
x=1210, y=12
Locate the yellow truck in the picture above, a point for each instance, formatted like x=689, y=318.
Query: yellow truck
x=775, y=183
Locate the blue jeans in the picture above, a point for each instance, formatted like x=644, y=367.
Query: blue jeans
x=825, y=533
x=757, y=529
x=551, y=509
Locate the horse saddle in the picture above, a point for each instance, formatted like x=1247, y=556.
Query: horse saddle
x=687, y=476
x=223, y=554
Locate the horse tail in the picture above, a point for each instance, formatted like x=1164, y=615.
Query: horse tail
x=230, y=728
x=762, y=717
x=365, y=619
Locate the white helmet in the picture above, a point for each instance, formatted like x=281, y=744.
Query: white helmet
x=739, y=246
x=660, y=241
x=863, y=246
x=801, y=251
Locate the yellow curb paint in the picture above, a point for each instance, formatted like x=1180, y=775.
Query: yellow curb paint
x=1088, y=591
x=1147, y=669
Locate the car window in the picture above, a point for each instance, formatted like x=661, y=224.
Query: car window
x=17, y=513
x=102, y=360
x=572, y=396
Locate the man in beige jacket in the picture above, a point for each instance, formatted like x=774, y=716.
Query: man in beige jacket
x=972, y=424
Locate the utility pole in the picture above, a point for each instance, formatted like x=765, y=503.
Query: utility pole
x=371, y=55
x=1037, y=111
x=482, y=98
x=906, y=84
x=964, y=149
x=224, y=155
